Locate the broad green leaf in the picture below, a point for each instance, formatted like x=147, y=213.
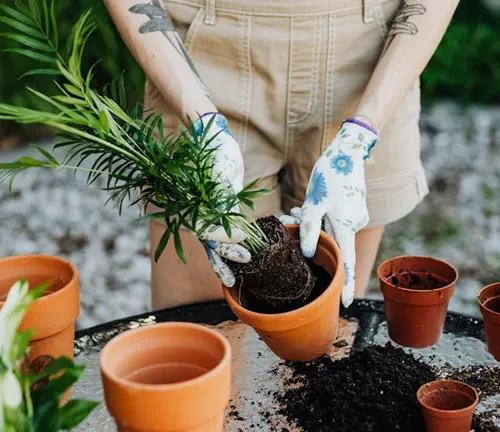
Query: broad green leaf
x=28, y=41
x=21, y=342
x=75, y=411
x=47, y=417
x=32, y=54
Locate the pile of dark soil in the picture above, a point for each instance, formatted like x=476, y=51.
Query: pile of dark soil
x=278, y=276
x=373, y=390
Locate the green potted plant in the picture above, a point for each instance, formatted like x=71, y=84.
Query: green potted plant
x=31, y=401
x=174, y=173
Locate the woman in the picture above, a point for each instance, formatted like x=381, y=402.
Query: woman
x=312, y=92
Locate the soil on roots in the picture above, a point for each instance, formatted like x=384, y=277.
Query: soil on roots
x=373, y=390
x=279, y=276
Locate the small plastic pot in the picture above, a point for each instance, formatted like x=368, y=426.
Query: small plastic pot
x=167, y=377
x=308, y=332
x=489, y=303
x=416, y=316
x=52, y=317
x=447, y=405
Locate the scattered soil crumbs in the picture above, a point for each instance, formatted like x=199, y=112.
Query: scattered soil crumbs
x=485, y=379
x=373, y=390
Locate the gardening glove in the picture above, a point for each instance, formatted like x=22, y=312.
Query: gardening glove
x=337, y=192
x=229, y=170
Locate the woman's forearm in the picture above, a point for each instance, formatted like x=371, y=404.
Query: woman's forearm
x=149, y=34
x=415, y=33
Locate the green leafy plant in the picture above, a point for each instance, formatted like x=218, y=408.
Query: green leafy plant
x=30, y=400
x=125, y=146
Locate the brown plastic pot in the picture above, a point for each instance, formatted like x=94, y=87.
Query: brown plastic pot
x=167, y=377
x=447, y=405
x=489, y=303
x=52, y=317
x=308, y=332
x=415, y=317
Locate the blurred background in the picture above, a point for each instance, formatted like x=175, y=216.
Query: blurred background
x=56, y=213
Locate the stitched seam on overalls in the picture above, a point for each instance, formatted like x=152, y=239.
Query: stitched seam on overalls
x=246, y=70
x=329, y=80
x=314, y=78
x=193, y=30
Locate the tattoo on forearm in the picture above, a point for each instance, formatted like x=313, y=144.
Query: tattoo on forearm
x=402, y=23
x=159, y=21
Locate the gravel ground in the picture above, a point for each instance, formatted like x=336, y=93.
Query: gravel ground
x=56, y=213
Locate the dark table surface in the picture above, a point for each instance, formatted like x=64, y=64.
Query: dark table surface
x=461, y=344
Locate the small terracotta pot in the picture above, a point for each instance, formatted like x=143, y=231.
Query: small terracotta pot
x=447, y=405
x=489, y=303
x=52, y=317
x=308, y=332
x=415, y=317
x=167, y=377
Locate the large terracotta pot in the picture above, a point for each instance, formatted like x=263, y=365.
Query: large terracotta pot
x=167, y=377
x=447, y=405
x=52, y=317
x=416, y=316
x=489, y=303
x=308, y=332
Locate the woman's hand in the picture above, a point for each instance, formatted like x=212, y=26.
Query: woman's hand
x=229, y=170
x=337, y=193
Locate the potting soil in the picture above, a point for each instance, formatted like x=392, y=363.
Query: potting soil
x=371, y=391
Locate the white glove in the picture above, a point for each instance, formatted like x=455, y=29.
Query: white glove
x=230, y=171
x=337, y=191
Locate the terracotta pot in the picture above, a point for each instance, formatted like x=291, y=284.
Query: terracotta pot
x=415, y=317
x=167, y=377
x=489, y=303
x=308, y=332
x=447, y=405
x=52, y=317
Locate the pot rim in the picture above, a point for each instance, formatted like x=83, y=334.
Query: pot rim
x=486, y=299
x=108, y=370
x=415, y=291
x=52, y=295
x=338, y=274
x=457, y=411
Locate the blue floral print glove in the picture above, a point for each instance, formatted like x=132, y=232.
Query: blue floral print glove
x=337, y=193
x=229, y=169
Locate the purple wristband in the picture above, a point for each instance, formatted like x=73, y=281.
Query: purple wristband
x=360, y=123
x=209, y=114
